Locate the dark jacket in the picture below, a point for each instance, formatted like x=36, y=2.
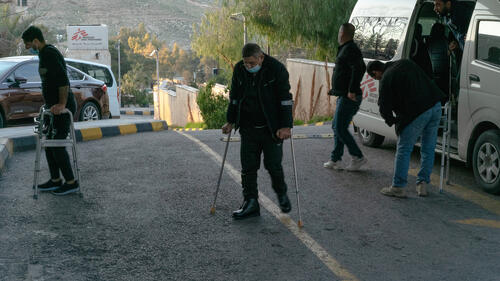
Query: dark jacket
x=349, y=70
x=458, y=21
x=407, y=91
x=273, y=93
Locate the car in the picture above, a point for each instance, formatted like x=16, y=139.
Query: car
x=101, y=72
x=21, y=91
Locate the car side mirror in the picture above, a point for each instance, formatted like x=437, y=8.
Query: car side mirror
x=20, y=80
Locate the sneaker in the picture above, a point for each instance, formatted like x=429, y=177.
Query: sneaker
x=356, y=163
x=337, y=165
x=421, y=189
x=394, y=191
x=49, y=185
x=67, y=188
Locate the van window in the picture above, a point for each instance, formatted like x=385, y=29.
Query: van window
x=74, y=75
x=488, y=42
x=100, y=73
x=379, y=37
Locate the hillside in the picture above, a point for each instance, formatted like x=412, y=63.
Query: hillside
x=172, y=20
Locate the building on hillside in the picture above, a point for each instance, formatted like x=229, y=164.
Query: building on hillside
x=89, y=43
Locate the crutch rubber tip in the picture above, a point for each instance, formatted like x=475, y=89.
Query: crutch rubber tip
x=212, y=210
x=35, y=197
x=300, y=224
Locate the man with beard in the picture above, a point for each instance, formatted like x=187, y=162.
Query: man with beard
x=456, y=16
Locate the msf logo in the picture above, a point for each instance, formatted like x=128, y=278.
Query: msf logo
x=368, y=86
x=80, y=34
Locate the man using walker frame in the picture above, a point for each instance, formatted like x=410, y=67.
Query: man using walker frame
x=58, y=96
x=260, y=105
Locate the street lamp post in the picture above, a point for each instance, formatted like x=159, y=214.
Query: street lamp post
x=241, y=17
x=119, y=72
x=156, y=94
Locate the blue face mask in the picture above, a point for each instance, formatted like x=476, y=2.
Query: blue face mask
x=254, y=69
x=33, y=51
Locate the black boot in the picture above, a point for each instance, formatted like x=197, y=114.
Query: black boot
x=250, y=208
x=285, y=205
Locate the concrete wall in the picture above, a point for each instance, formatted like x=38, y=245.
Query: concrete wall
x=310, y=82
x=179, y=108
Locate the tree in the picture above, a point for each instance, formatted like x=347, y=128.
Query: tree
x=312, y=24
x=13, y=24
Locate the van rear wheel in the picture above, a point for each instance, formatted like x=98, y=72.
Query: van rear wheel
x=486, y=161
x=370, y=138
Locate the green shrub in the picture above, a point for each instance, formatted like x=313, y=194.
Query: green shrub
x=317, y=119
x=297, y=122
x=212, y=107
x=195, y=125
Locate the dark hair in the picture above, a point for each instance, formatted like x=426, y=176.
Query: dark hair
x=445, y=1
x=33, y=33
x=348, y=29
x=251, y=50
x=374, y=66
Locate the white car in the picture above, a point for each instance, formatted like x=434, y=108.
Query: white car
x=101, y=72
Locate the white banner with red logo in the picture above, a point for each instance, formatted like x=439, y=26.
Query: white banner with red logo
x=87, y=37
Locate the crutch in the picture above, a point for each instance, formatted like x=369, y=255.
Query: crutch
x=446, y=140
x=300, y=224
x=212, y=209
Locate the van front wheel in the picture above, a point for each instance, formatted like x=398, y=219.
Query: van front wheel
x=486, y=161
x=370, y=138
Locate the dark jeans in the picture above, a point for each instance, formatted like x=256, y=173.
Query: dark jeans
x=57, y=157
x=345, y=111
x=254, y=141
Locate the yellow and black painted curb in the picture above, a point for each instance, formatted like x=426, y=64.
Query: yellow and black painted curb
x=187, y=129
x=137, y=112
x=87, y=134
x=315, y=124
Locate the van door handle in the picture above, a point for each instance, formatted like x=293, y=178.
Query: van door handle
x=474, y=78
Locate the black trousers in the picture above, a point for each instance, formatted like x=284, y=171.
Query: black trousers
x=57, y=157
x=254, y=141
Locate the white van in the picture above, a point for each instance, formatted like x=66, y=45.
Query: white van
x=101, y=72
x=385, y=31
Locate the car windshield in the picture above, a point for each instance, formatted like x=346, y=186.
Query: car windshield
x=5, y=66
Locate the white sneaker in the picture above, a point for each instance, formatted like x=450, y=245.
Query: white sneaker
x=338, y=165
x=421, y=189
x=356, y=163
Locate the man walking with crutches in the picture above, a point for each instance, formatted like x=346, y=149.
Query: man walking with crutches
x=260, y=105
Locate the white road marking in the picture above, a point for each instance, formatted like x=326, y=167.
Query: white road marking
x=285, y=219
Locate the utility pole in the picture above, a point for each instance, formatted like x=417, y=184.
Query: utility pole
x=119, y=73
x=156, y=95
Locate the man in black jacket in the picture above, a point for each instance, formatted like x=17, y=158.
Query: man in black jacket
x=406, y=91
x=349, y=70
x=57, y=96
x=260, y=105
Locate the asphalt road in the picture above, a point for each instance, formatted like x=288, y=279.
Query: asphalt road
x=145, y=216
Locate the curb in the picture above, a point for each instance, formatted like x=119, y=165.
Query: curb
x=6, y=151
x=137, y=112
x=25, y=143
x=187, y=129
x=315, y=124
